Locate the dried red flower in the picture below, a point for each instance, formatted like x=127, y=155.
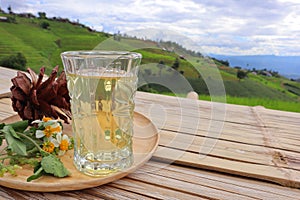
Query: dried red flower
x=33, y=98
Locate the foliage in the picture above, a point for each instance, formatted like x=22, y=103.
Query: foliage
x=292, y=88
x=246, y=89
x=11, y=19
x=176, y=64
x=42, y=15
x=9, y=9
x=17, y=61
x=223, y=62
x=44, y=25
x=241, y=74
x=291, y=106
x=26, y=146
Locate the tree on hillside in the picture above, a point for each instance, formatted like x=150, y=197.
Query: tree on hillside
x=9, y=10
x=241, y=74
x=44, y=25
x=223, y=62
x=176, y=64
x=42, y=15
x=14, y=61
x=11, y=19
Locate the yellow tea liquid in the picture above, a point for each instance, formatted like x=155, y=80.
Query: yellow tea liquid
x=102, y=115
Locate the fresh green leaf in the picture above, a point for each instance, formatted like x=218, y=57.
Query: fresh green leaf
x=1, y=137
x=37, y=167
x=31, y=144
x=12, y=131
x=61, y=125
x=52, y=165
x=23, y=160
x=30, y=131
x=15, y=144
x=37, y=174
x=2, y=125
x=19, y=126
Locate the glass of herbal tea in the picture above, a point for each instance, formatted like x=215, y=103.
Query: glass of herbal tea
x=102, y=86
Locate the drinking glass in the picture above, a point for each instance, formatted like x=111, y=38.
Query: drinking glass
x=102, y=85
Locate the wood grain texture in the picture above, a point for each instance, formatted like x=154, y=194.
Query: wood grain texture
x=252, y=142
x=5, y=83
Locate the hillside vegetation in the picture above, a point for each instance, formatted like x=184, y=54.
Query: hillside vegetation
x=167, y=61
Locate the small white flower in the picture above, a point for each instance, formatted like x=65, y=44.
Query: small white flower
x=61, y=141
x=49, y=130
x=51, y=127
x=46, y=121
x=37, y=121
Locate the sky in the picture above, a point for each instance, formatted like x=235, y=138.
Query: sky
x=228, y=27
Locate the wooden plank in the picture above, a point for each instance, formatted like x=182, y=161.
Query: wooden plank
x=110, y=192
x=283, y=176
x=256, y=143
x=187, y=186
x=234, y=151
x=257, y=136
x=234, y=113
x=233, y=184
x=7, y=193
x=243, y=133
x=152, y=190
x=6, y=109
x=5, y=75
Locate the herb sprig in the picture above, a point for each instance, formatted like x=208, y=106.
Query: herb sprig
x=38, y=145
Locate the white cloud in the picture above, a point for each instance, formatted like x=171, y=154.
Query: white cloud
x=225, y=27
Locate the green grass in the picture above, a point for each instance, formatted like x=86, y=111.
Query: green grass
x=267, y=103
x=40, y=46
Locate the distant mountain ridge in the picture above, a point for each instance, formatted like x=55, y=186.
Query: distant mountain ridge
x=288, y=66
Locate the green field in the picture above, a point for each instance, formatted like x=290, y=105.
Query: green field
x=284, y=105
x=42, y=47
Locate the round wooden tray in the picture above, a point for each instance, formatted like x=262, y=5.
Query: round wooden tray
x=145, y=141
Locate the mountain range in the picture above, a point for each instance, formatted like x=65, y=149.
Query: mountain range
x=288, y=66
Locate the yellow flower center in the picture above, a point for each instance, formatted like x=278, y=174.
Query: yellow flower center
x=48, y=131
x=48, y=146
x=64, y=145
x=45, y=119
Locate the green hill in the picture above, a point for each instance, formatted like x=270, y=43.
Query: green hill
x=42, y=47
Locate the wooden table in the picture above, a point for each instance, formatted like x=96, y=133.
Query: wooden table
x=206, y=151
